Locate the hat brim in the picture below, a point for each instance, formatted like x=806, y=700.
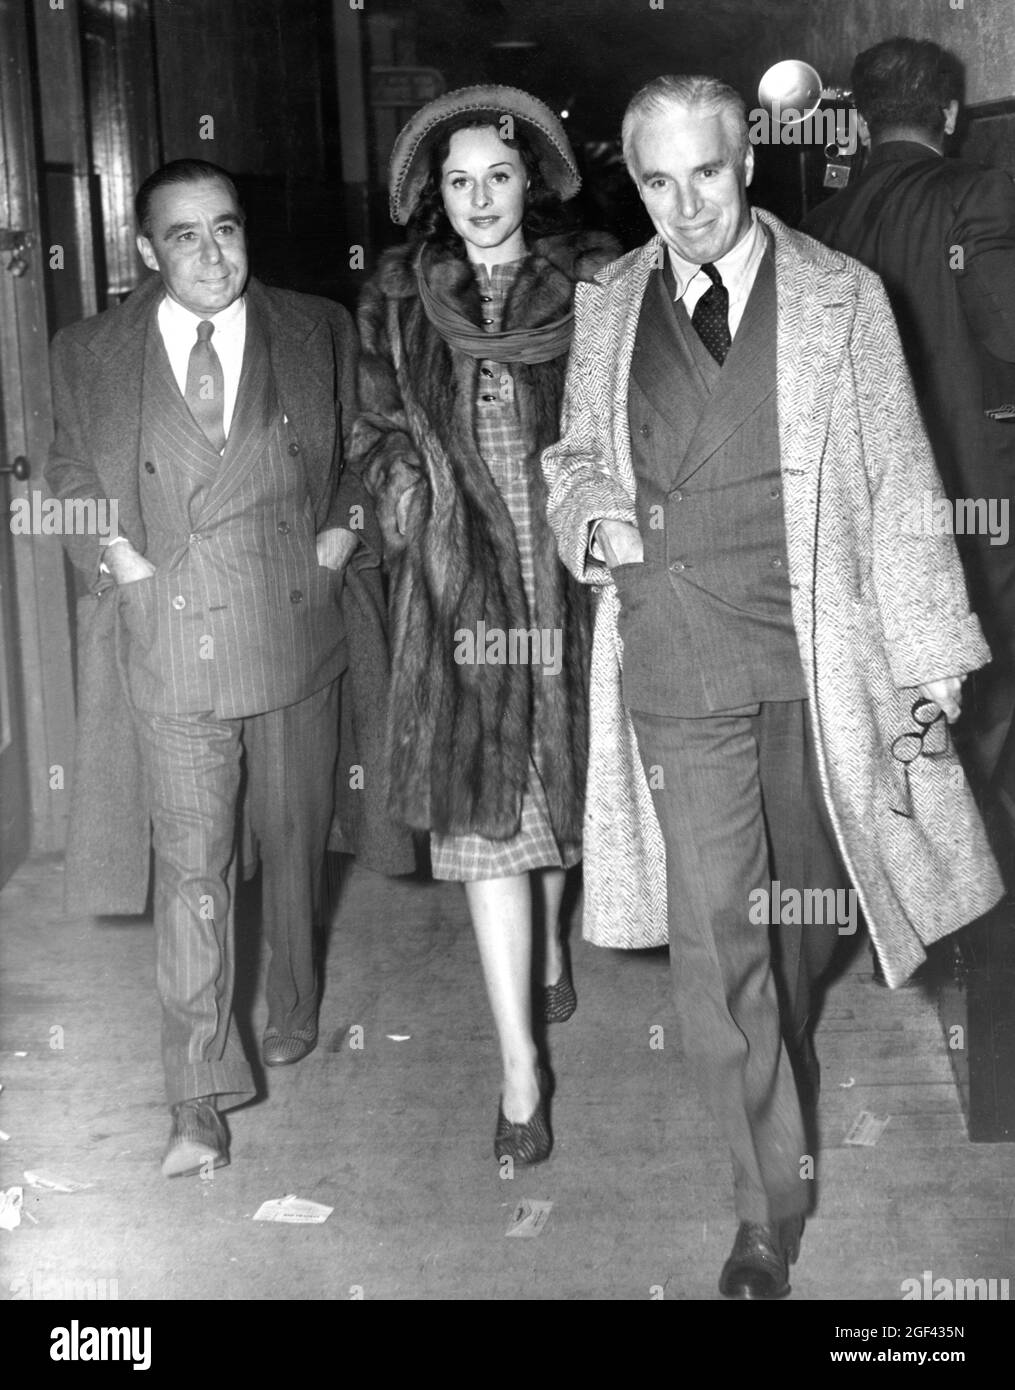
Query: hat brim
x=410, y=158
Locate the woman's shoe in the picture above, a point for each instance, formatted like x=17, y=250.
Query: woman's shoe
x=527, y=1143
x=560, y=1000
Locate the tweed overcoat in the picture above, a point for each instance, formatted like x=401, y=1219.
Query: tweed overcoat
x=97, y=382
x=459, y=735
x=878, y=607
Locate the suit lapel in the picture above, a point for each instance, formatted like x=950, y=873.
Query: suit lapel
x=816, y=308
x=815, y=313
x=301, y=361
x=303, y=366
x=118, y=347
x=620, y=313
x=661, y=359
x=748, y=375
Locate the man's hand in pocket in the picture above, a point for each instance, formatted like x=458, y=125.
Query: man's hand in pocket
x=126, y=564
x=621, y=543
x=335, y=547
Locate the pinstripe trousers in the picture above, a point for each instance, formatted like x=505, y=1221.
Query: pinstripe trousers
x=195, y=766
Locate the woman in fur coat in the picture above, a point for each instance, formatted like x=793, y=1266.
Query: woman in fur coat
x=465, y=333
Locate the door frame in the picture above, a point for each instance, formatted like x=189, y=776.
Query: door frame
x=40, y=577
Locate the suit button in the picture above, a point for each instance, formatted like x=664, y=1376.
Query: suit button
x=294, y=448
x=283, y=528
x=645, y=431
x=677, y=566
x=677, y=496
x=775, y=492
x=777, y=563
x=296, y=596
x=194, y=537
x=179, y=603
x=149, y=466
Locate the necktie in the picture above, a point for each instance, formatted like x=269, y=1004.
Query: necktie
x=711, y=316
x=206, y=386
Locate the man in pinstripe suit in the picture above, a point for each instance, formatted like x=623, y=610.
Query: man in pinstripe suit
x=210, y=409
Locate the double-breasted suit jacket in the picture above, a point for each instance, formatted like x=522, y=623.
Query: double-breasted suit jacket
x=876, y=609
x=270, y=648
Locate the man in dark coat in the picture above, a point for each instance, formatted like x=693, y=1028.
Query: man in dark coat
x=208, y=411
x=941, y=234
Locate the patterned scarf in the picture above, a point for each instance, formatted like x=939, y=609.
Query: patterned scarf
x=527, y=345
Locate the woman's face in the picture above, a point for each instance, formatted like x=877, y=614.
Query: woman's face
x=484, y=186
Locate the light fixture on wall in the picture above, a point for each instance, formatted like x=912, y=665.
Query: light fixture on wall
x=791, y=91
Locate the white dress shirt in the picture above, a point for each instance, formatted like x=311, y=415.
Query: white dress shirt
x=738, y=268
x=178, y=327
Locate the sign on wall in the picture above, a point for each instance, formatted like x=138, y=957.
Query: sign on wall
x=404, y=87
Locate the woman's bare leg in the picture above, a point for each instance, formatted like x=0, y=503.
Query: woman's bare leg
x=501, y=910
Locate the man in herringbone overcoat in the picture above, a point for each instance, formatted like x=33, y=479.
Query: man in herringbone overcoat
x=740, y=451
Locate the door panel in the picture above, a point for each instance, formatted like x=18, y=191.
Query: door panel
x=36, y=691
x=14, y=818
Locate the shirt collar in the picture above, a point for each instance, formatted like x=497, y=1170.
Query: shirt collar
x=729, y=266
x=903, y=149
x=183, y=319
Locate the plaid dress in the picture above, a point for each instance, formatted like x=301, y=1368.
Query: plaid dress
x=504, y=451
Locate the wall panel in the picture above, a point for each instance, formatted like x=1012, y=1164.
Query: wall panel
x=263, y=72
x=981, y=33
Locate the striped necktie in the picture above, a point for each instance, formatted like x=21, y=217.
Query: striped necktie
x=206, y=386
x=711, y=316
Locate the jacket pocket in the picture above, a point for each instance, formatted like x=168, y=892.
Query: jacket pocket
x=627, y=577
x=135, y=602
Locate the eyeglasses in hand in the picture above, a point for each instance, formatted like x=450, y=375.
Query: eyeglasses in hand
x=910, y=746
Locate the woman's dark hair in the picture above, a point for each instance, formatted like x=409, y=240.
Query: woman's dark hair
x=544, y=211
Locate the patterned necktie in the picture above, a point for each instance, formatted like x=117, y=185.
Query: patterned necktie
x=206, y=386
x=711, y=316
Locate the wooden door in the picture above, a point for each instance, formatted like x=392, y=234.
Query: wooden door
x=36, y=690
x=14, y=819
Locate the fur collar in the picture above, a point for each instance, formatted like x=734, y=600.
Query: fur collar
x=569, y=257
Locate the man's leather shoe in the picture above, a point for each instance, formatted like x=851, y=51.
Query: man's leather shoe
x=197, y=1141
x=758, y=1266
x=283, y=1049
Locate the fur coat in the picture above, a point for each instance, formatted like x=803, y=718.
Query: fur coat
x=879, y=606
x=459, y=734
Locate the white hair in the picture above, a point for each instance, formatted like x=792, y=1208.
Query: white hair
x=704, y=95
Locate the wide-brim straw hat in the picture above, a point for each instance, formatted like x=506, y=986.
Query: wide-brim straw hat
x=410, y=158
